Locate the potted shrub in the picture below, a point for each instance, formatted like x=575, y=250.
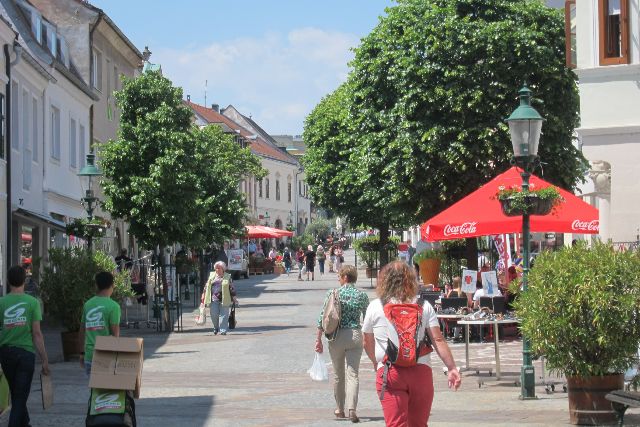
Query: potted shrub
x=67, y=282
x=279, y=265
x=429, y=262
x=582, y=312
x=515, y=202
x=367, y=251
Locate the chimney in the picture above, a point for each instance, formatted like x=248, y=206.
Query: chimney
x=215, y=107
x=188, y=98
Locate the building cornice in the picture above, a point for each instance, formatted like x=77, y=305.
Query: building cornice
x=608, y=73
x=609, y=130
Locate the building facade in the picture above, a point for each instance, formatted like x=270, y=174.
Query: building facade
x=102, y=55
x=275, y=199
x=602, y=45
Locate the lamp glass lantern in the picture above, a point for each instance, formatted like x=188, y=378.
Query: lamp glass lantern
x=87, y=174
x=266, y=218
x=525, y=127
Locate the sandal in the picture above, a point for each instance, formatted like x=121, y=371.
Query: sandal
x=353, y=417
x=339, y=414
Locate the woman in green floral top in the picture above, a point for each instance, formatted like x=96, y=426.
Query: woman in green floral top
x=347, y=345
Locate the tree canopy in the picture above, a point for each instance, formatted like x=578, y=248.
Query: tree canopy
x=420, y=122
x=172, y=181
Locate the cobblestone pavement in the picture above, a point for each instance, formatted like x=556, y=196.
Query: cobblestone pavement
x=256, y=375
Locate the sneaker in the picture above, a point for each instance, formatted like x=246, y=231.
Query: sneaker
x=223, y=333
x=215, y=332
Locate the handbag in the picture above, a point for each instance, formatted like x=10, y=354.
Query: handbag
x=232, y=317
x=201, y=317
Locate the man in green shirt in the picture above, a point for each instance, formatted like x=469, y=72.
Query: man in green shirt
x=20, y=337
x=100, y=317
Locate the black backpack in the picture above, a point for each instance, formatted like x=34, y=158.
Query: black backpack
x=126, y=418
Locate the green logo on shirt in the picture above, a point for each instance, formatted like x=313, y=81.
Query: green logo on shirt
x=94, y=320
x=107, y=401
x=14, y=315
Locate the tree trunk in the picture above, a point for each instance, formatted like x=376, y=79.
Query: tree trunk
x=165, y=289
x=471, y=253
x=383, y=242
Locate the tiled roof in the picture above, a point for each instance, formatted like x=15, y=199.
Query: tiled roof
x=258, y=145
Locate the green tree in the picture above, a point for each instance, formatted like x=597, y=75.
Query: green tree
x=172, y=181
x=320, y=228
x=333, y=164
x=431, y=87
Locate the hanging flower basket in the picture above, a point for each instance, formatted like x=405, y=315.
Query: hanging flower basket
x=536, y=206
x=515, y=202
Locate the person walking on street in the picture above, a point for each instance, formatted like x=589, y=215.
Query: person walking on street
x=332, y=258
x=347, y=345
x=339, y=257
x=100, y=317
x=321, y=256
x=221, y=293
x=310, y=262
x=286, y=259
x=20, y=338
x=406, y=393
x=300, y=259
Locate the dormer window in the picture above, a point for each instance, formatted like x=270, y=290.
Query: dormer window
x=613, y=18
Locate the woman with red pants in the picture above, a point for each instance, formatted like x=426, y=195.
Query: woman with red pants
x=408, y=393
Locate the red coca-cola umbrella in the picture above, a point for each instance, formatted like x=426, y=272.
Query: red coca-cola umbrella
x=480, y=214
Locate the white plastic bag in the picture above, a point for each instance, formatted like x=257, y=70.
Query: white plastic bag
x=201, y=317
x=318, y=371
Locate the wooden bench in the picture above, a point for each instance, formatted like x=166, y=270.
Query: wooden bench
x=622, y=400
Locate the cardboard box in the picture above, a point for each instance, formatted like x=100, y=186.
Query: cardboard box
x=117, y=364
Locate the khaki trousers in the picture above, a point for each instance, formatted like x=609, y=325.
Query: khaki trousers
x=346, y=347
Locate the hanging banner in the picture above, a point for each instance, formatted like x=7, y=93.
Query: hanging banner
x=469, y=279
x=490, y=283
x=502, y=246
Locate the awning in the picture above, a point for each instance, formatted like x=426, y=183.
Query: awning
x=480, y=214
x=263, y=232
x=27, y=214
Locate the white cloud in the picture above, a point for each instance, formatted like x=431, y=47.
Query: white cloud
x=277, y=78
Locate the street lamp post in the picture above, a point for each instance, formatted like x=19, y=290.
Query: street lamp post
x=89, y=200
x=525, y=125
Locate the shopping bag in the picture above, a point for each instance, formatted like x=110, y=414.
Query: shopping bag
x=318, y=371
x=201, y=317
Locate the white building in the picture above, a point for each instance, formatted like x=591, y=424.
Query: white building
x=49, y=134
x=274, y=199
x=605, y=50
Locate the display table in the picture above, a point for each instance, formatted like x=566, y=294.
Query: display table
x=496, y=339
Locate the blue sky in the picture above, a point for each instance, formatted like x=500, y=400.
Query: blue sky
x=272, y=59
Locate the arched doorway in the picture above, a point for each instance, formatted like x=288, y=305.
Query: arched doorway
x=279, y=223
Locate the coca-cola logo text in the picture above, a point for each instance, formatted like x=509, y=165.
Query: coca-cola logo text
x=462, y=229
x=586, y=225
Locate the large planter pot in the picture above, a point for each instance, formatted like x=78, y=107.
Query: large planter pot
x=371, y=272
x=537, y=206
x=278, y=269
x=430, y=271
x=70, y=345
x=587, y=403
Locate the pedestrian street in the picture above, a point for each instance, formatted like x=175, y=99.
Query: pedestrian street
x=256, y=375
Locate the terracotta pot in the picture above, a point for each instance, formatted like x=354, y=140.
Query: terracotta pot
x=278, y=269
x=587, y=403
x=430, y=271
x=70, y=345
x=371, y=273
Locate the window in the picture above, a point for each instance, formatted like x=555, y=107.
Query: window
x=26, y=143
x=300, y=188
x=277, y=190
x=3, y=125
x=614, y=33
x=107, y=62
x=289, y=192
x=73, y=153
x=570, y=33
x=82, y=141
x=15, y=142
x=260, y=188
x=266, y=188
x=55, y=133
x=116, y=78
x=34, y=126
x=96, y=70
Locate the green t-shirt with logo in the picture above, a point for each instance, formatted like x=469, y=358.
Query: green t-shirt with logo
x=98, y=315
x=18, y=312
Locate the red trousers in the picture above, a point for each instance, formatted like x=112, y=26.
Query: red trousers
x=408, y=396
